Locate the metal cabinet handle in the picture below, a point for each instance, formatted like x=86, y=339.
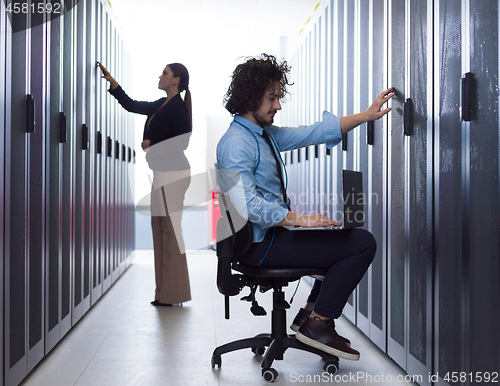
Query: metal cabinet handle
x=109, y=148
x=344, y=142
x=466, y=108
x=85, y=137
x=63, y=134
x=30, y=114
x=370, y=132
x=117, y=150
x=99, y=142
x=408, y=116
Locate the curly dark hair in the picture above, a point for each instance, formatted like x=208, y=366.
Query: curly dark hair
x=250, y=81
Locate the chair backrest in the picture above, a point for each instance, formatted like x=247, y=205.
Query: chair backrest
x=234, y=233
x=234, y=238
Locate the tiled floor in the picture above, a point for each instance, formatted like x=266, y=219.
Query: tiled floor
x=123, y=340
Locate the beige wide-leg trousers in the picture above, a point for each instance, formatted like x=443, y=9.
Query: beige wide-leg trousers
x=167, y=202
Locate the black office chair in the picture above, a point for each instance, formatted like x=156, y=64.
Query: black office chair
x=234, y=238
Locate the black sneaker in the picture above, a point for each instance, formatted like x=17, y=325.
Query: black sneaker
x=321, y=334
x=300, y=318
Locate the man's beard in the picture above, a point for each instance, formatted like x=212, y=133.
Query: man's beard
x=268, y=121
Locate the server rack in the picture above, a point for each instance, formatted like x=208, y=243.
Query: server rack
x=53, y=249
x=16, y=203
x=431, y=297
x=328, y=77
x=349, y=47
x=100, y=154
x=361, y=147
x=338, y=83
x=376, y=176
x=410, y=171
x=78, y=170
x=322, y=202
x=55, y=125
x=4, y=107
x=89, y=147
x=482, y=191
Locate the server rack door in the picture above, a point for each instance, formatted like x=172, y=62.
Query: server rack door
x=99, y=152
x=54, y=258
x=449, y=197
x=126, y=187
x=289, y=122
x=338, y=86
x=328, y=90
x=301, y=116
x=320, y=155
x=377, y=176
x=115, y=160
x=396, y=186
x=3, y=187
x=350, y=46
x=68, y=177
x=130, y=169
x=410, y=186
x=483, y=203
x=308, y=173
x=16, y=294
x=419, y=187
x=78, y=171
x=311, y=112
x=349, y=57
x=121, y=191
x=361, y=158
x=317, y=116
x=89, y=166
x=37, y=192
x=292, y=175
x=118, y=164
x=106, y=161
x=112, y=160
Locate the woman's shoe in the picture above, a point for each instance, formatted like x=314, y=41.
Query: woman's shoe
x=157, y=303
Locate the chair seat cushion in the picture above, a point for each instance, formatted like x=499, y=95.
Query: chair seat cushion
x=278, y=272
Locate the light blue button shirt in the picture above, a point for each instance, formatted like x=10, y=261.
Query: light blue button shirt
x=247, y=170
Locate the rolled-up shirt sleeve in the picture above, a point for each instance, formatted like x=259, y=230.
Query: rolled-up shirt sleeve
x=236, y=163
x=326, y=131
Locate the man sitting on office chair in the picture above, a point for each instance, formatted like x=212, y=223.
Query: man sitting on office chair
x=249, y=153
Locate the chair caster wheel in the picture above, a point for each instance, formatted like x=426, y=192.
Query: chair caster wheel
x=331, y=367
x=216, y=361
x=269, y=374
x=259, y=350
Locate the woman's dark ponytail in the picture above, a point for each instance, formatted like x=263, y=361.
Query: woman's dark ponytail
x=181, y=71
x=187, y=101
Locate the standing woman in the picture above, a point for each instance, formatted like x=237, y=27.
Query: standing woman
x=166, y=136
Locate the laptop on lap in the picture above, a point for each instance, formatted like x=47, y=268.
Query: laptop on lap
x=353, y=215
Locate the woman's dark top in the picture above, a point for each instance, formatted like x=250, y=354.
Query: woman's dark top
x=172, y=121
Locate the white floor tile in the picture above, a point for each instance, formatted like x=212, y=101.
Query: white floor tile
x=123, y=340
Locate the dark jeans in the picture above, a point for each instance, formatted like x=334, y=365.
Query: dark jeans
x=346, y=253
